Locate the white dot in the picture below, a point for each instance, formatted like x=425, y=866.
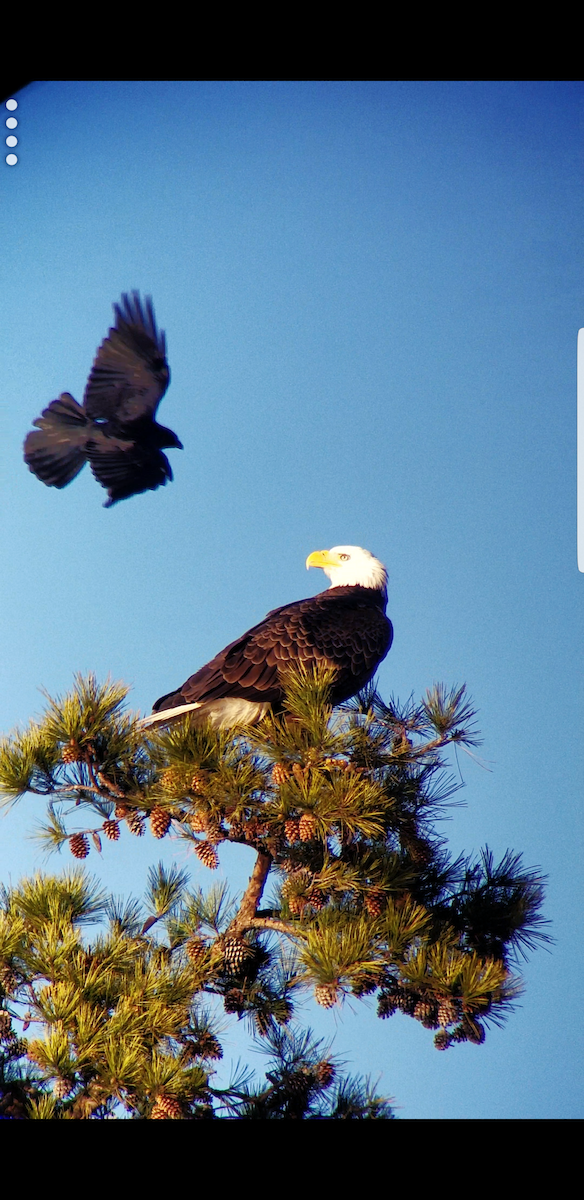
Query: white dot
x=11, y=141
x=12, y=104
x=11, y=123
x=11, y=159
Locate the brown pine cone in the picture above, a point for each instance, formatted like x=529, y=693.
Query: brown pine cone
x=263, y=1022
x=235, y=953
x=206, y=1045
x=234, y=1001
x=326, y=994
x=196, y=949
x=79, y=845
x=280, y=773
x=386, y=1005
x=173, y=780
x=317, y=898
x=325, y=1073
x=5, y=1025
x=425, y=1011
x=442, y=1040
x=197, y=822
x=62, y=1087
x=111, y=830
x=166, y=1108
x=213, y=831
x=159, y=822
x=207, y=855
x=307, y=827
x=292, y=829
x=447, y=1012
x=72, y=752
x=135, y=822
x=374, y=901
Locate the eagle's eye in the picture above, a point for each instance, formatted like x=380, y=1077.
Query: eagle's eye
x=344, y=557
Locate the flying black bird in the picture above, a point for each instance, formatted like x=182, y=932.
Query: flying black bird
x=115, y=430
x=344, y=627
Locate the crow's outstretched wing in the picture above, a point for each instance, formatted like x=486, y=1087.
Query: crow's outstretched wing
x=130, y=373
x=55, y=450
x=126, y=467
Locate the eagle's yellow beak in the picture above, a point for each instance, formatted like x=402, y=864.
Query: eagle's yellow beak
x=322, y=558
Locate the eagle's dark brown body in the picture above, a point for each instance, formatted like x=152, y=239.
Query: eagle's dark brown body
x=345, y=627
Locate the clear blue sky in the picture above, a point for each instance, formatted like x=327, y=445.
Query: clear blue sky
x=371, y=293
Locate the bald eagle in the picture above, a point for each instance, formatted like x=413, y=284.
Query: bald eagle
x=344, y=627
x=115, y=429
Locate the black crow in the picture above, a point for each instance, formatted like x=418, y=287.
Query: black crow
x=115, y=430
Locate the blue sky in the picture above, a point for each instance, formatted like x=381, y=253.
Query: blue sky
x=371, y=293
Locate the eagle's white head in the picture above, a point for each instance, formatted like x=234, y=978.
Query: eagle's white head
x=347, y=566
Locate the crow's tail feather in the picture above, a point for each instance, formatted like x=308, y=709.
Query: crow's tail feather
x=55, y=451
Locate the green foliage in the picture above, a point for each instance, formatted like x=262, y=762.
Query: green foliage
x=339, y=810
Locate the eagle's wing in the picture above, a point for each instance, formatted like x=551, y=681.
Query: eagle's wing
x=339, y=630
x=130, y=373
x=126, y=467
x=55, y=450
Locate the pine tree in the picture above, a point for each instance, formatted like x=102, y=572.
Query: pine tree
x=339, y=810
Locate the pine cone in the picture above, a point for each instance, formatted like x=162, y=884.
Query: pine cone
x=135, y=822
x=121, y=812
x=111, y=830
x=406, y=1001
x=5, y=1025
x=263, y=1022
x=280, y=773
x=374, y=899
x=8, y=978
x=198, y=781
x=316, y=898
x=173, y=780
x=473, y=1030
x=386, y=1005
x=207, y=854
x=160, y=822
x=213, y=831
x=206, y=1045
x=197, y=950
x=292, y=830
x=421, y=852
x=296, y=889
x=79, y=845
x=234, y=1001
x=326, y=994
x=442, y=1040
x=307, y=827
x=166, y=1108
x=62, y=1087
x=425, y=1011
x=325, y=1073
x=72, y=752
x=367, y=983
x=235, y=953
x=447, y=1012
